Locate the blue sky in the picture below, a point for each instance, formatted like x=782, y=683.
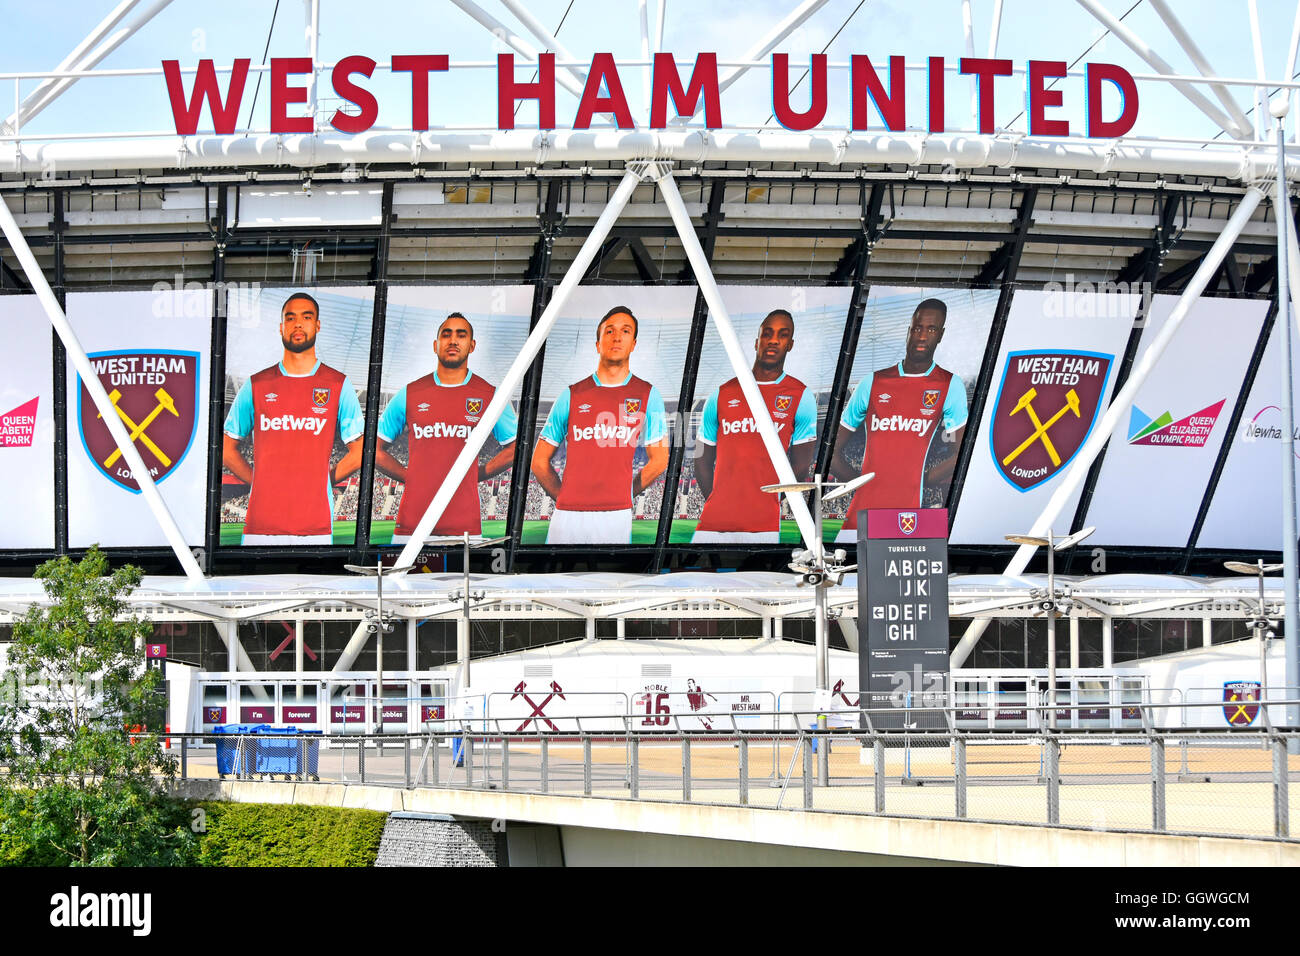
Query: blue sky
x=38, y=35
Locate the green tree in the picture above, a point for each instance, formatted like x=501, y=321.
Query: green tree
x=81, y=787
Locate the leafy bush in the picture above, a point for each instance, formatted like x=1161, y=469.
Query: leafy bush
x=254, y=834
x=78, y=787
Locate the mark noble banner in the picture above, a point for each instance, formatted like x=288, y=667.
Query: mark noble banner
x=903, y=597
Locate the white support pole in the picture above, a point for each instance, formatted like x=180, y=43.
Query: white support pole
x=1290, y=68
x=79, y=59
x=968, y=30
x=620, y=628
x=644, y=15
x=1140, y=47
x=237, y=658
x=532, y=345
x=993, y=31
x=763, y=47
x=313, y=49
x=1200, y=61
x=1290, y=567
x=412, y=645
x=589, y=629
x=353, y=649
x=1207, y=632
x=515, y=42
x=1261, y=92
x=298, y=626
x=660, y=12
x=740, y=363
x=1074, y=642
x=1108, y=642
x=1112, y=420
x=538, y=30
x=69, y=62
x=849, y=628
x=778, y=628
x=77, y=355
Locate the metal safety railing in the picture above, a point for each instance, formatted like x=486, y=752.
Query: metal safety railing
x=916, y=762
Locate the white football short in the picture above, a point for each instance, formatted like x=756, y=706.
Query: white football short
x=289, y=540
x=590, y=527
x=736, y=537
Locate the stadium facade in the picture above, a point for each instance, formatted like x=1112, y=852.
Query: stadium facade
x=1058, y=263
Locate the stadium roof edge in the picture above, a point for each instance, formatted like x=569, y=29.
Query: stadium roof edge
x=955, y=151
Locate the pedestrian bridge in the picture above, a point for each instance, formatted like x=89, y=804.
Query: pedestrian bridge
x=888, y=798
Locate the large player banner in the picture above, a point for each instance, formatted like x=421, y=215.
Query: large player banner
x=297, y=362
x=1177, y=424
x=445, y=350
x=916, y=366
x=26, y=424
x=606, y=416
x=1246, y=512
x=151, y=352
x=789, y=334
x=903, y=597
x=1052, y=381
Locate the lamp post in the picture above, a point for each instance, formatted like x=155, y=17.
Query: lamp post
x=1260, y=623
x=1279, y=107
x=1049, y=603
x=819, y=573
x=378, y=624
x=464, y=596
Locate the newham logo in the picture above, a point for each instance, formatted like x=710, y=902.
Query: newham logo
x=441, y=430
x=75, y=909
x=289, y=423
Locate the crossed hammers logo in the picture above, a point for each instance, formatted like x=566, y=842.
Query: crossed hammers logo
x=1026, y=404
x=1240, y=712
x=165, y=403
x=537, y=714
x=839, y=689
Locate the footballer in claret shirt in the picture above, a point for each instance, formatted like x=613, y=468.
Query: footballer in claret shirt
x=905, y=409
x=733, y=463
x=602, y=421
x=293, y=410
x=440, y=410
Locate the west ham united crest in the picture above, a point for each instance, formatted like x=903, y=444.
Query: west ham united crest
x=155, y=394
x=930, y=399
x=1046, y=406
x=473, y=406
x=320, y=397
x=783, y=402
x=631, y=407
x=1241, y=702
x=907, y=522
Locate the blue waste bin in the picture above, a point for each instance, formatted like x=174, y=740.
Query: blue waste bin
x=458, y=751
x=233, y=752
x=276, y=751
x=309, y=754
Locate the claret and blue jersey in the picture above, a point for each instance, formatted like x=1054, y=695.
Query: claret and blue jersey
x=293, y=420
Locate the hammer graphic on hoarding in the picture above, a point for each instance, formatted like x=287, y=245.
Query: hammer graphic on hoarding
x=1040, y=428
x=165, y=403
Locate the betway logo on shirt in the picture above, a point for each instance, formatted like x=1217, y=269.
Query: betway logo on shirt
x=602, y=432
x=291, y=423
x=746, y=425
x=441, y=430
x=900, y=423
